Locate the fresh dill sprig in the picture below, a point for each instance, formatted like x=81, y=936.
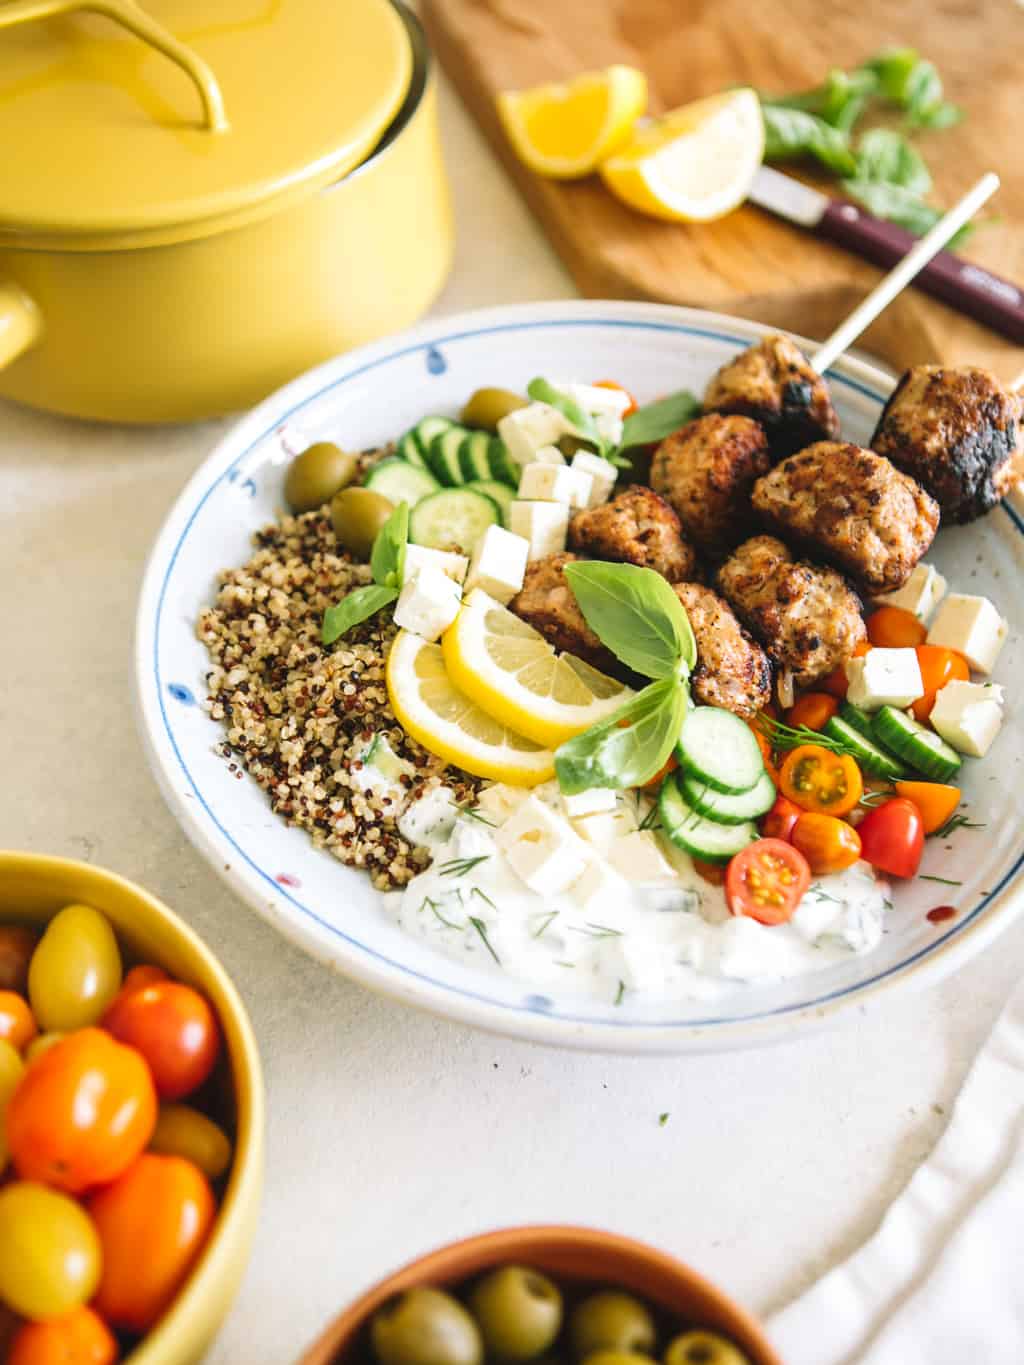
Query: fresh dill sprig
x=571, y=965
x=954, y=823
x=823, y=895
x=652, y=819
x=432, y=904
x=475, y=891
x=877, y=798
x=479, y=926
x=620, y=992
x=946, y=881
x=783, y=737
x=662, y=1120
x=596, y=930
x=475, y=813
x=539, y=933
x=458, y=867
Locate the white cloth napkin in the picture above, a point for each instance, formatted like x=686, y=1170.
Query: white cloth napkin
x=942, y=1280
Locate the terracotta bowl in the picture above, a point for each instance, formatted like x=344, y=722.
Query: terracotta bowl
x=568, y=1254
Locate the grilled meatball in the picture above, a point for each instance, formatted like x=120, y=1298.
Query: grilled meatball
x=547, y=602
x=732, y=670
x=807, y=617
x=705, y=471
x=637, y=527
x=958, y=433
x=853, y=508
x=774, y=384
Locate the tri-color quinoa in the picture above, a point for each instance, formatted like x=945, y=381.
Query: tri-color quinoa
x=298, y=716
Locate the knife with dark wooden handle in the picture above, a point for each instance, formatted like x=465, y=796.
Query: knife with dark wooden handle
x=968, y=288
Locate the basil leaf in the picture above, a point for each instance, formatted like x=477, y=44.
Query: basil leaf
x=630, y=746
x=357, y=606
x=839, y=100
x=654, y=421
x=913, y=84
x=636, y=614
x=543, y=392
x=388, y=557
x=790, y=133
x=901, y=206
x=884, y=156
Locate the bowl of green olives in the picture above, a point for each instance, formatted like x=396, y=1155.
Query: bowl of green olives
x=544, y=1296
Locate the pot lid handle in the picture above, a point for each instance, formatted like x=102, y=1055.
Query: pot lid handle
x=128, y=14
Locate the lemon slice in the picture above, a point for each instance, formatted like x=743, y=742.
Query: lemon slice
x=564, y=131
x=693, y=164
x=511, y=671
x=450, y=725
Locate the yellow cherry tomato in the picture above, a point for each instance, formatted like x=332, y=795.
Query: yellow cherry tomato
x=183, y=1131
x=12, y=1068
x=75, y=972
x=50, y=1258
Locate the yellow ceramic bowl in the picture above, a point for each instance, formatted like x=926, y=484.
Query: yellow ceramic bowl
x=32, y=889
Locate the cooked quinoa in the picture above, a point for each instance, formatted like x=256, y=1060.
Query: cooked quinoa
x=299, y=716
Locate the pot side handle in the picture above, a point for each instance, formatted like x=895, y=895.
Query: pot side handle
x=21, y=323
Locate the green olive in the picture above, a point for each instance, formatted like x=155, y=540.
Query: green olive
x=519, y=1312
x=611, y=1321
x=704, y=1348
x=425, y=1327
x=487, y=407
x=611, y=1356
x=316, y=475
x=357, y=515
x=568, y=444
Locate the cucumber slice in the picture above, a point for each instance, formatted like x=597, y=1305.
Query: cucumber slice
x=426, y=431
x=473, y=459
x=400, y=481
x=443, y=455
x=502, y=468
x=408, y=449
x=729, y=810
x=453, y=519
x=694, y=833
x=497, y=492
x=719, y=750
x=922, y=748
x=862, y=746
x=860, y=720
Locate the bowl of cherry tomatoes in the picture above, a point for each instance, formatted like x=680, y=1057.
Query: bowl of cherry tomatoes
x=131, y=1124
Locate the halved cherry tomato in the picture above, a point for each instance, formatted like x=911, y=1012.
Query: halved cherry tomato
x=620, y=388
x=934, y=800
x=779, y=822
x=655, y=782
x=174, y=1029
x=767, y=881
x=894, y=628
x=17, y=1023
x=828, y=844
x=712, y=873
x=938, y=667
x=814, y=709
x=82, y=1112
x=836, y=680
x=892, y=837
x=818, y=780
x=80, y=1337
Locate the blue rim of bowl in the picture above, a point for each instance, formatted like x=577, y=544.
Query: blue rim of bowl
x=435, y=340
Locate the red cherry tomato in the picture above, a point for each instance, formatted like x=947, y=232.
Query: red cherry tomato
x=779, y=822
x=767, y=881
x=174, y=1029
x=892, y=837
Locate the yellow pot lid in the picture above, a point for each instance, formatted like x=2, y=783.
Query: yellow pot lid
x=129, y=124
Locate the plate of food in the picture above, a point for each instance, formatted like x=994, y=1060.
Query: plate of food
x=598, y=673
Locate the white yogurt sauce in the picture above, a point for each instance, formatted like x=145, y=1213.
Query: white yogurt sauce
x=675, y=938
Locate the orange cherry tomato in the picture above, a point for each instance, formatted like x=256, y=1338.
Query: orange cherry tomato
x=938, y=667
x=818, y=780
x=176, y=1031
x=767, y=881
x=17, y=945
x=82, y=1112
x=935, y=801
x=779, y=822
x=765, y=745
x=145, y=974
x=620, y=388
x=836, y=680
x=80, y=1337
x=17, y=1022
x=152, y=1223
x=655, y=782
x=894, y=628
x=712, y=873
x=828, y=844
x=814, y=710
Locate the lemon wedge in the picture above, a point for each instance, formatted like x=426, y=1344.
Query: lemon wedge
x=511, y=671
x=694, y=164
x=448, y=724
x=564, y=131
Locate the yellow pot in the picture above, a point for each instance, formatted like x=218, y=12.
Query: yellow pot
x=182, y=320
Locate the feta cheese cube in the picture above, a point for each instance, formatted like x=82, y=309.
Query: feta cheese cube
x=428, y=603
x=971, y=626
x=599, y=889
x=498, y=565
x=555, y=483
x=639, y=859
x=609, y=428
x=548, y=455
x=604, y=828
x=590, y=802
x=416, y=556
x=497, y=802
x=594, y=399
x=527, y=429
x=921, y=593
x=968, y=715
x=544, y=524
x=541, y=847
x=602, y=475
x=884, y=677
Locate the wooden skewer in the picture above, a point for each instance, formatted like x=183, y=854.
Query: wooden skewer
x=900, y=276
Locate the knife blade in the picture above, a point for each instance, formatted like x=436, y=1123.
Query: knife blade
x=969, y=288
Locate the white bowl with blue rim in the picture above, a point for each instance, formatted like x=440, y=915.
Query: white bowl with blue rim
x=371, y=395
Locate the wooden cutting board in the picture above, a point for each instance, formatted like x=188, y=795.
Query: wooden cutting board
x=750, y=263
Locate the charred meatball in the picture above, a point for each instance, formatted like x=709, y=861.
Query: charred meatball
x=773, y=383
x=853, y=508
x=958, y=432
x=807, y=618
x=705, y=471
x=547, y=602
x=637, y=527
x=732, y=669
